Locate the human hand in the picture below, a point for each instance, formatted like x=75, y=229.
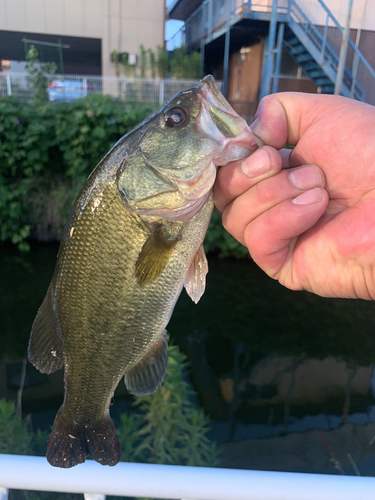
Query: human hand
x=310, y=228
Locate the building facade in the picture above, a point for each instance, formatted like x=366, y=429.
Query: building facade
x=79, y=35
x=263, y=46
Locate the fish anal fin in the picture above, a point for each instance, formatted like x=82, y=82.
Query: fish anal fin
x=154, y=256
x=70, y=442
x=195, y=281
x=44, y=350
x=148, y=374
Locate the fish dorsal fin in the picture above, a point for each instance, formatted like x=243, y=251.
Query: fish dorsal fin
x=154, y=255
x=148, y=374
x=44, y=350
x=195, y=281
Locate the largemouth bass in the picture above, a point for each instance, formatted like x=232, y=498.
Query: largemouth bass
x=133, y=240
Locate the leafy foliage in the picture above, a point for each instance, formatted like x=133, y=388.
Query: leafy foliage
x=14, y=434
x=180, y=65
x=184, y=65
x=52, y=148
x=38, y=75
x=219, y=240
x=169, y=429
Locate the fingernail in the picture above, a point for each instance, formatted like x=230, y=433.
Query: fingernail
x=305, y=177
x=254, y=128
x=256, y=164
x=309, y=197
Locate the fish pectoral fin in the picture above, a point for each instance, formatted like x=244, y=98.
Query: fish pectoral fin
x=44, y=350
x=148, y=374
x=195, y=281
x=154, y=255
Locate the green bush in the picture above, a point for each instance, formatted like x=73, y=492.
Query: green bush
x=51, y=149
x=220, y=241
x=15, y=437
x=169, y=429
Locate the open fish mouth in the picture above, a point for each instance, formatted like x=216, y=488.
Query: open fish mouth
x=217, y=120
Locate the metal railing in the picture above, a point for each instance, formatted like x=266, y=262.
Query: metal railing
x=177, y=482
x=212, y=15
x=324, y=37
x=70, y=87
x=312, y=22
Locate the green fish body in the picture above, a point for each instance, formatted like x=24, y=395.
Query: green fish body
x=133, y=240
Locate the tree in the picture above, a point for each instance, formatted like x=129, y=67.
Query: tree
x=38, y=75
x=184, y=65
x=162, y=61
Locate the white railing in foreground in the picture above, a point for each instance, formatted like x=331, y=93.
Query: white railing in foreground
x=176, y=482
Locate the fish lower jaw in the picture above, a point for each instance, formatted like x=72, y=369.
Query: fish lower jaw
x=233, y=149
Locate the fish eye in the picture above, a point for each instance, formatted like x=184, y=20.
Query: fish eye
x=174, y=117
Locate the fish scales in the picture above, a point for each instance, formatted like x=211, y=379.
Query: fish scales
x=133, y=240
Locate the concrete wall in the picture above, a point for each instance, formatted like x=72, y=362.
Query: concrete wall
x=122, y=25
x=363, y=13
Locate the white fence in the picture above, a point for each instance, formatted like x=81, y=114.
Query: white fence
x=70, y=87
x=176, y=482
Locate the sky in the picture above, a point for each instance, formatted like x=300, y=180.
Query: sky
x=171, y=26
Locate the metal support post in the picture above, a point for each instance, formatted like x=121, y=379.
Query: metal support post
x=161, y=92
x=201, y=64
x=268, y=53
x=279, y=51
x=323, y=48
x=9, y=89
x=226, y=51
x=343, y=50
x=61, y=60
x=355, y=57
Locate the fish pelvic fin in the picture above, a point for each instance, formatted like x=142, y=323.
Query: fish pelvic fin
x=71, y=442
x=154, y=256
x=148, y=374
x=195, y=281
x=45, y=351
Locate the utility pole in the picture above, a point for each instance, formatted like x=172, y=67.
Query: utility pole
x=269, y=53
x=226, y=51
x=343, y=50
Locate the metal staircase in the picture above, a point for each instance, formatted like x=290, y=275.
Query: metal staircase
x=310, y=47
x=307, y=29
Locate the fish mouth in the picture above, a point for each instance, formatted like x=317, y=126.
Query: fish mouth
x=217, y=120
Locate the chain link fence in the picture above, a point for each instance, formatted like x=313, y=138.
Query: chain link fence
x=70, y=87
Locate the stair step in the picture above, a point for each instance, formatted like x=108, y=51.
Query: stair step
x=297, y=49
x=311, y=66
x=304, y=58
x=327, y=90
x=315, y=73
x=300, y=52
x=292, y=40
x=323, y=82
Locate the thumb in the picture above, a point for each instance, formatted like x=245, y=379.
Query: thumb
x=284, y=117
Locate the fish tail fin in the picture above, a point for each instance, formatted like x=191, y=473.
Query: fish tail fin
x=70, y=442
x=103, y=443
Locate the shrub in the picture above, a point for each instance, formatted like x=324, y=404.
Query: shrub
x=169, y=429
x=52, y=148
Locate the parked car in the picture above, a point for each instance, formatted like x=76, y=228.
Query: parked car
x=68, y=90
